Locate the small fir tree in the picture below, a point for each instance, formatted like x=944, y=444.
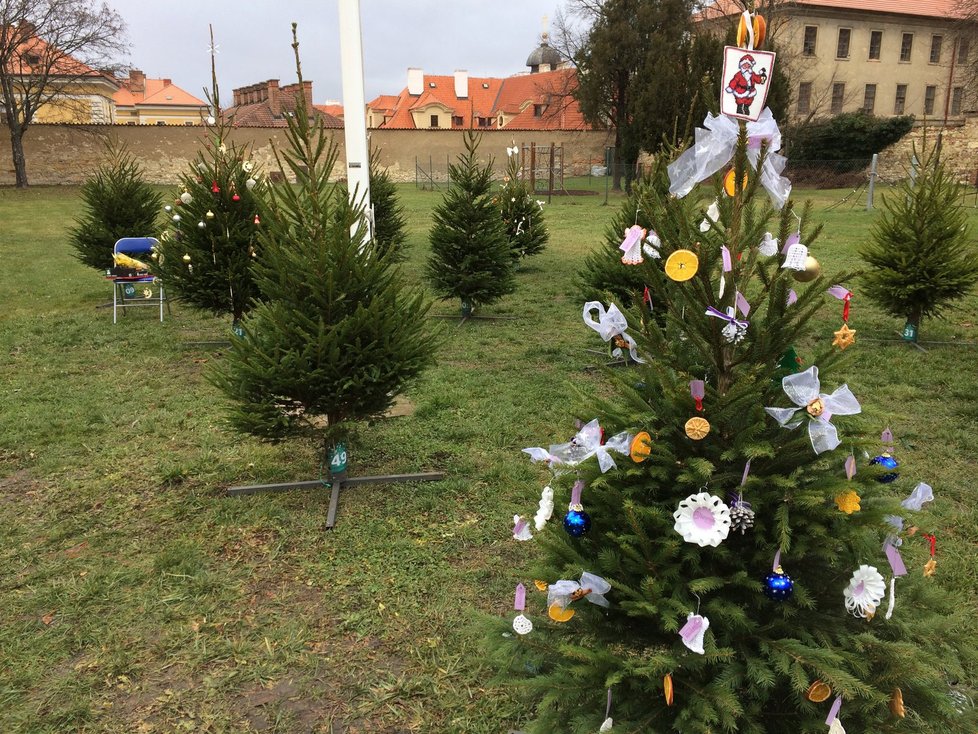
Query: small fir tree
x=470, y=252
x=521, y=213
x=337, y=334
x=206, y=253
x=117, y=203
x=695, y=633
x=389, y=223
x=921, y=256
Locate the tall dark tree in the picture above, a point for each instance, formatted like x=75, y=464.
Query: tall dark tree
x=921, y=256
x=51, y=53
x=337, y=334
x=470, y=252
x=117, y=203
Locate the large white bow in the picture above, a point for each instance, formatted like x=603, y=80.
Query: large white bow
x=565, y=591
x=714, y=148
x=587, y=443
x=803, y=390
x=611, y=323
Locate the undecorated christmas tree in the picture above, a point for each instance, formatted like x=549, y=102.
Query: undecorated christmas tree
x=727, y=561
x=521, y=213
x=389, y=234
x=117, y=203
x=206, y=253
x=922, y=256
x=470, y=252
x=337, y=334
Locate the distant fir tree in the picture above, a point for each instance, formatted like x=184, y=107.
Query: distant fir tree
x=337, y=334
x=470, y=253
x=922, y=256
x=389, y=232
x=117, y=203
x=693, y=628
x=521, y=213
x=206, y=253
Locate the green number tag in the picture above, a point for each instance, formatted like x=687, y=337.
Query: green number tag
x=129, y=290
x=909, y=332
x=337, y=459
x=237, y=329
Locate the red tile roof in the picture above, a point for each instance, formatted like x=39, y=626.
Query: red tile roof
x=950, y=9
x=336, y=110
x=32, y=55
x=138, y=90
x=272, y=104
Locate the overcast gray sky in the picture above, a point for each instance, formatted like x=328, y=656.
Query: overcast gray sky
x=485, y=37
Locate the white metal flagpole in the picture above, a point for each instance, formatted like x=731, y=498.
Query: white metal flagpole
x=354, y=108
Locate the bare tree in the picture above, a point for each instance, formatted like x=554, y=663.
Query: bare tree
x=48, y=49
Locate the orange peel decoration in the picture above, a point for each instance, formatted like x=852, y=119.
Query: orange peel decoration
x=641, y=447
x=667, y=688
x=682, y=265
x=541, y=585
x=759, y=28
x=896, y=704
x=848, y=502
x=844, y=337
x=697, y=428
x=560, y=614
x=818, y=692
x=729, y=183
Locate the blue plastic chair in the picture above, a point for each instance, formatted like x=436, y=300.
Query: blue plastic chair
x=126, y=291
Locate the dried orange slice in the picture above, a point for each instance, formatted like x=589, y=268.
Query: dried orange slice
x=728, y=182
x=557, y=614
x=667, y=688
x=697, y=428
x=641, y=447
x=818, y=692
x=682, y=265
x=760, y=30
x=541, y=585
x=896, y=704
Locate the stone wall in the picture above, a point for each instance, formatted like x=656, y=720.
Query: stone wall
x=67, y=154
x=959, y=144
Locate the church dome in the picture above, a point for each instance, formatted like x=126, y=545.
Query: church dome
x=543, y=54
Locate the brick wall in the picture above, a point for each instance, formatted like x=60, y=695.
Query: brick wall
x=67, y=154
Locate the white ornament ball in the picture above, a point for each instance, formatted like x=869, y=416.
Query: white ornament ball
x=177, y=217
x=250, y=184
x=211, y=120
x=186, y=198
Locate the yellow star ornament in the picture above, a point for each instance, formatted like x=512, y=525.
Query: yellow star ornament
x=844, y=337
x=848, y=502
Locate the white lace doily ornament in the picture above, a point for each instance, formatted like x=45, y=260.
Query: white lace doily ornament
x=865, y=591
x=702, y=519
x=522, y=625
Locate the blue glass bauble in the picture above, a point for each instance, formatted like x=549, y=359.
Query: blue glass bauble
x=577, y=522
x=778, y=586
x=887, y=462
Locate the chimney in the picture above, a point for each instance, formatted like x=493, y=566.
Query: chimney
x=236, y=93
x=461, y=83
x=415, y=82
x=307, y=93
x=167, y=82
x=273, y=103
x=137, y=81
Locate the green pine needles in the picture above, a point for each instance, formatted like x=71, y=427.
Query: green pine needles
x=389, y=232
x=336, y=335
x=760, y=655
x=521, y=213
x=117, y=203
x=922, y=256
x=470, y=253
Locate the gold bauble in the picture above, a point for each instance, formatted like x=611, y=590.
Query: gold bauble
x=812, y=270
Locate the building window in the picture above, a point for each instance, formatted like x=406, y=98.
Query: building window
x=842, y=49
x=838, y=97
x=130, y=122
x=434, y=121
x=956, y=94
x=935, y=48
x=930, y=93
x=483, y=122
x=811, y=35
x=875, y=43
x=869, y=99
x=906, y=47
x=804, y=98
x=901, y=99
x=964, y=46
x=161, y=122
x=457, y=121
x=538, y=110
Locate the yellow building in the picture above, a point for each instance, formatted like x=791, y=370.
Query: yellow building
x=885, y=57
x=143, y=101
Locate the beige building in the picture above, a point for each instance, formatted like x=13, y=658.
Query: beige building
x=885, y=57
x=144, y=101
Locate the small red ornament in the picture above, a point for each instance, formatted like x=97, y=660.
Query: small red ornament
x=235, y=198
x=215, y=188
x=257, y=220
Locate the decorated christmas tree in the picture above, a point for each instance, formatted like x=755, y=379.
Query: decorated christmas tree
x=470, y=253
x=922, y=256
x=521, y=213
x=727, y=561
x=207, y=250
x=117, y=203
x=337, y=334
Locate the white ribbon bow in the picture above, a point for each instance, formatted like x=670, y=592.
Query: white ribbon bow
x=803, y=390
x=611, y=323
x=562, y=592
x=921, y=493
x=714, y=148
x=512, y=151
x=587, y=443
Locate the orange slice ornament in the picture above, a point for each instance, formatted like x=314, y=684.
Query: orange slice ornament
x=641, y=447
x=560, y=614
x=759, y=26
x=667, y=688
x=729, y=183
x=682, y=265
x=697, y=428
x=818, y=692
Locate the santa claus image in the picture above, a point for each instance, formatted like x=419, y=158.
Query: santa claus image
x=743, y=84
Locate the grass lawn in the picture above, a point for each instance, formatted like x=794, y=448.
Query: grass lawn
x=135, y=597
